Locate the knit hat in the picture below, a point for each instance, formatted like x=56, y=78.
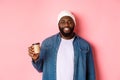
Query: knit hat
x=65, y=13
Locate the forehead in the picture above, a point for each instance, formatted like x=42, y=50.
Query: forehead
x=66, y=18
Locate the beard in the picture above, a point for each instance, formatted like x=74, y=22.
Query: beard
x=66, y=33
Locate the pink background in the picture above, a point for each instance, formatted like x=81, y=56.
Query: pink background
x=23, y=22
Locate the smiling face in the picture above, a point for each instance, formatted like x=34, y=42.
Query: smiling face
x=66, y=27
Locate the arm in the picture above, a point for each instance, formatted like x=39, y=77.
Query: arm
x=90, y=66
x=38, y=64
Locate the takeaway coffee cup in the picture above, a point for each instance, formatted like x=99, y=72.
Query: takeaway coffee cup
x=36, y=47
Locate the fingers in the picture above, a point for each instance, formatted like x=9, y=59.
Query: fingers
x=31, y=50
x=31, y=53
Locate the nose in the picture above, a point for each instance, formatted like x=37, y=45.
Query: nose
x=66, y=24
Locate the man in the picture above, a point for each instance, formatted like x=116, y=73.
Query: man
x=65, y=55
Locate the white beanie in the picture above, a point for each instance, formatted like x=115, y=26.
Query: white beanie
x=66, y=13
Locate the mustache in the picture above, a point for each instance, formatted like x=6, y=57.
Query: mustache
x=66, y=27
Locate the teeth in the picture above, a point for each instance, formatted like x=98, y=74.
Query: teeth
x=66, y=28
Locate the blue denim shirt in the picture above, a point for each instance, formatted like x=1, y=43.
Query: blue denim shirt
x=83, y=59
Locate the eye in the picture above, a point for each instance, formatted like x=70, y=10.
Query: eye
x=62, y=22
x=70, y=22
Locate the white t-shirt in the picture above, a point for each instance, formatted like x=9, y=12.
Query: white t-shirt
x=65, y=60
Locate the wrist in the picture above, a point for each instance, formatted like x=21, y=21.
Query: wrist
x=35, y=59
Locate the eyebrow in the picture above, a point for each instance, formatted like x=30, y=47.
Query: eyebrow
x=64, y=20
